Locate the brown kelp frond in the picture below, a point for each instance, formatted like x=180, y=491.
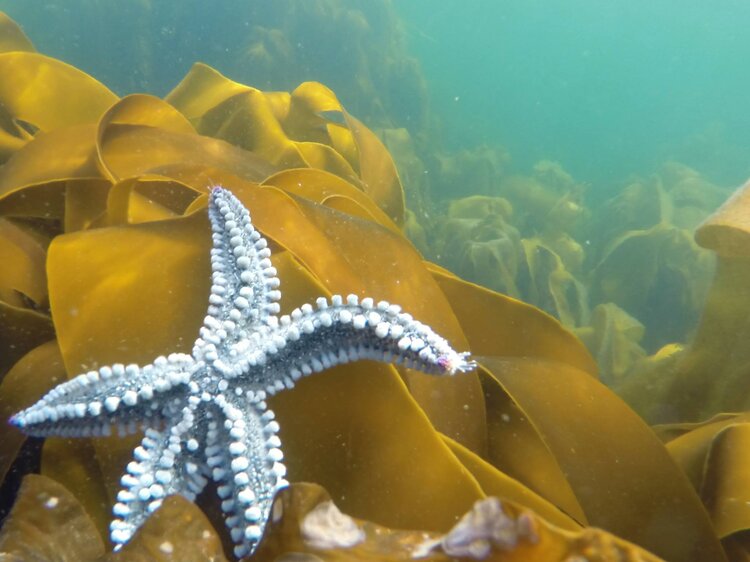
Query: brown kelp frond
x=102, y=214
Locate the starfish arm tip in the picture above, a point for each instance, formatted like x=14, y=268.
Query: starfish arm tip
x=310, y=340
x=244, y=347
x=457, y=363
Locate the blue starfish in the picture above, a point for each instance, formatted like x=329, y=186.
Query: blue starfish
x=205, y=414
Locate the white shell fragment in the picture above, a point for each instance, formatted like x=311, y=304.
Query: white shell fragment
x=325, y=527
x=484, y=529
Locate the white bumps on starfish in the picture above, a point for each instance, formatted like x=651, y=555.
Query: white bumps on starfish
x=205, y=414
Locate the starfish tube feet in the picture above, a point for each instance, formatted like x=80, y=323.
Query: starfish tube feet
x=116, y=395
x=312, y=339
x=205, y=414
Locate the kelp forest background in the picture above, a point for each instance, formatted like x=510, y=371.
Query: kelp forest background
x=610, y=409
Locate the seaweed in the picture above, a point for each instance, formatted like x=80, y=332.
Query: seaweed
x=110, y=195
x=709, y=376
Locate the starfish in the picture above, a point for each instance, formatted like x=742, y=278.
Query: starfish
x=205, y=414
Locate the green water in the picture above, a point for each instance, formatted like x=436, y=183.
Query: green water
x=607, y=88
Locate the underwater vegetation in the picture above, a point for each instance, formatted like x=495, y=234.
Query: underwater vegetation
x=143, y=46
x=625, y=274
x=104, y=230
x=680, y=389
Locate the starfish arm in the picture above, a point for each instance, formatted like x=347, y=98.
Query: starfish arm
x=245, y=455
x=312, y=339
x=166, y=462
x=124, y=396
x=244, y=287
x=206, y=414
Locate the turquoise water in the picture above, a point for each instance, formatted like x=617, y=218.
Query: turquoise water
x=607, y=88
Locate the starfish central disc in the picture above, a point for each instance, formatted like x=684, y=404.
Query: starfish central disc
x=205, y=414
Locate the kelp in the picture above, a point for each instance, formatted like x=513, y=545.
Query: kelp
x=376, y=70
x=306, y=526
x=613, y=337
x=478, y=310
x=23, y=252
x=13, y=134
x=638, y=206
x=548, y=202
x=712, y=454
x=520, y=243
x=312, y=527
x=48, y=94
x=225, y=109
x=478, y=168
x=119, y=218
x=667, y=290
x=607, y=452
x=31, y=376
x=707, y=378
x=12, y=38
x=648, y=228
x=634, y=251
x=476, y=240
x=410, y=162
x=710, y=375
x=691, y=193
x=273, y=47
x=552, y=287
x=48, y=523
x=21, y=330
